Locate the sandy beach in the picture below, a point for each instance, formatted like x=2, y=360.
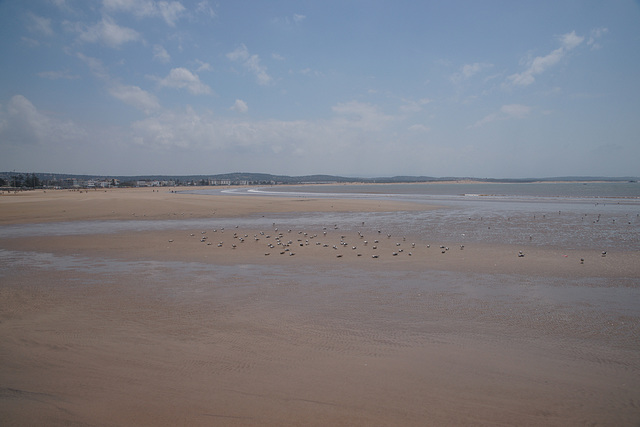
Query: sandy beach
x=282, y=324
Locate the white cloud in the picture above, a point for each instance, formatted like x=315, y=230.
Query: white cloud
x=517, y=111
x=161, y=54
x=419, y=128
x=203, y=66
x=21, y=123
x=308, y=72
x=62, y=4
x=571, y=40
x=361, y=115
x=240, y=54
x=29, y=41
x=139, y=8
x=38, y=24
x=411, y=106
x=510, y=111
x=595, y=34
x=95, y=65
x=204, y=8
x=251, y=63
x=240, y=106
x=192, y=130
x=540, y=64
x=288, y=22
x=136, y=97
x=182, y=78
x=486, y=119
x=169, y=11
x=106, y=32
x=469, y=70
x=131, y=95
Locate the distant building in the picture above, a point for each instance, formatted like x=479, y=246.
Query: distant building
x=70, y=183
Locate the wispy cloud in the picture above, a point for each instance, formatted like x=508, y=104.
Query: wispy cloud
x=130, y=95
x=290, y=21
x=22, y=123
x=106, y=31
x=361, y=115
x=38, y=24
x=61, y=4
x=594, y=36
x=251, y=63
x=161, y=54
x=203, y=66
x=170, y=11
x=180, y=78
x=206, y=9
x=540, y=64
x=506, y=112
x=95, y=65
x=240, y=106
x=139, y=8
x=412, y=106
x=136, y=97
x=191, y=129
x=420, y=128
x=469, y=70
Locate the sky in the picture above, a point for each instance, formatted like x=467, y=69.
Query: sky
x=486, y=89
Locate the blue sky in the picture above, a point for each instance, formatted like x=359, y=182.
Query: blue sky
x=503, y=89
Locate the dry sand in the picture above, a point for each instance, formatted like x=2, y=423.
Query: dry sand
x=163, y=328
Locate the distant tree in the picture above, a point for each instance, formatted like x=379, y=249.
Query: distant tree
x=32, y=181
x=17, y=181
x=3, y=182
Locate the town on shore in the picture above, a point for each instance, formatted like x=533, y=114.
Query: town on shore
x=10, y=181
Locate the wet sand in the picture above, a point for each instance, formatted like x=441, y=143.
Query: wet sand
x=162, y=328
x=145, y=203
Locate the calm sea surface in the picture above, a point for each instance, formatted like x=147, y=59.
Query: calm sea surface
x=569, y=215
x=629, y=190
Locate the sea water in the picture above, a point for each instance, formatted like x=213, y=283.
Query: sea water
x=601, y=216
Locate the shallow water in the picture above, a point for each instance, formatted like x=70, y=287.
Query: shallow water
x=490, y=191
x=601, y=216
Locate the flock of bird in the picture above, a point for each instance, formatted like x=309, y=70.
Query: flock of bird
x=289, y=241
